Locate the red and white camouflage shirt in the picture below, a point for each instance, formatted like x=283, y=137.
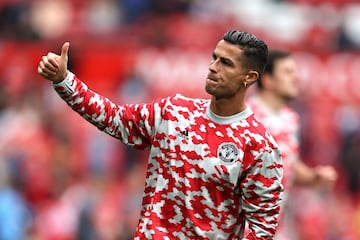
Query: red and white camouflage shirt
x=206, y=174
x=284, y=126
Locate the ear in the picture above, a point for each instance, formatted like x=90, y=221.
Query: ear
x=251, y=77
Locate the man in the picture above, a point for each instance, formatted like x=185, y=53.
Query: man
x=277, y=86
x=212, y=165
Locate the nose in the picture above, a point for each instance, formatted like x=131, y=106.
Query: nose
x=213, y=66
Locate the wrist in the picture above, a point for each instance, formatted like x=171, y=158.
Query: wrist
x=316, y=177
x=67, y=80
x=62, y=78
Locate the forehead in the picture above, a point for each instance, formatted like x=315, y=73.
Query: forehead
x=285, y=63
x=228, y=50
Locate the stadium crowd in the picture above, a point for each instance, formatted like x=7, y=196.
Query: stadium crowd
x=74, y=182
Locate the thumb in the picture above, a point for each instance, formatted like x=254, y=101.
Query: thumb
x=65, y=50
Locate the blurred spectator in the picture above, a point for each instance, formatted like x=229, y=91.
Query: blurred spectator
x=351, y=23
x=102, y=17
x=134, y=9
x=350, y=161
x=14, y=20
x=15, y=215
x=51, y=18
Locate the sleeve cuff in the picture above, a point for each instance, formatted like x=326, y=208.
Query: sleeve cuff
x=66, y=81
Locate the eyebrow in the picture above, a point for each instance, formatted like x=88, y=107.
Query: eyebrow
x=224, y=59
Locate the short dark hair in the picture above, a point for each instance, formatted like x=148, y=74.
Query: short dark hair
x=273, y=56
x=255, y=50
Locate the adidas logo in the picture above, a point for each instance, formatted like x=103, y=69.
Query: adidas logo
x=184, y=134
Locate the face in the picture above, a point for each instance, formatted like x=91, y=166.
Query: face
x=285, y=79
x=226, y=74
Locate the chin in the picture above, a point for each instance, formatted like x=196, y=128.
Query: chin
x=209, y=90
x=289, y=98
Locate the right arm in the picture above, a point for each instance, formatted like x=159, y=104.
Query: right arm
x=132, y=124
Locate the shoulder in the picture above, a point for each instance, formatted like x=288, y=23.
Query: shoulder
x=252, y=101
x=180, y=100
x=290, y=114
x=180, y=107
x=257, y=106
x=261, y=137
x=256, y=126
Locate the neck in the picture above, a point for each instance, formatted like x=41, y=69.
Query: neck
x=227, y=107
x=274, y=102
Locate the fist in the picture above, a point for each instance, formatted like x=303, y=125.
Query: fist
x=326, y=176
x=53, y=67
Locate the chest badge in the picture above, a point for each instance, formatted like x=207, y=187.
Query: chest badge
x=228, y=152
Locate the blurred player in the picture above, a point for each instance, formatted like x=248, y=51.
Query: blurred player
x=275, y=89
x=212, y=165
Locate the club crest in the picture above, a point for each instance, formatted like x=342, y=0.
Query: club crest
x=228, y=152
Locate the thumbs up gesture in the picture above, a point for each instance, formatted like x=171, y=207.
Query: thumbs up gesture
x=53, y=67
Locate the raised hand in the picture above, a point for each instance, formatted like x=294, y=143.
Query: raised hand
x=53, y=67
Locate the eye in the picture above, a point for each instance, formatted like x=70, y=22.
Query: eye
x=214, y=56
x=225, y=62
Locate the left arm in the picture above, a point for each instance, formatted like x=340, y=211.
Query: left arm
x=262, y=193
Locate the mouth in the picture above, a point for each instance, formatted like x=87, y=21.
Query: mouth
x=211, y=79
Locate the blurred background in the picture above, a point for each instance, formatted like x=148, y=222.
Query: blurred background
x=62, y=179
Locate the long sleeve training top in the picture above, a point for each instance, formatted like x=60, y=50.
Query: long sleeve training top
x=206, y=174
